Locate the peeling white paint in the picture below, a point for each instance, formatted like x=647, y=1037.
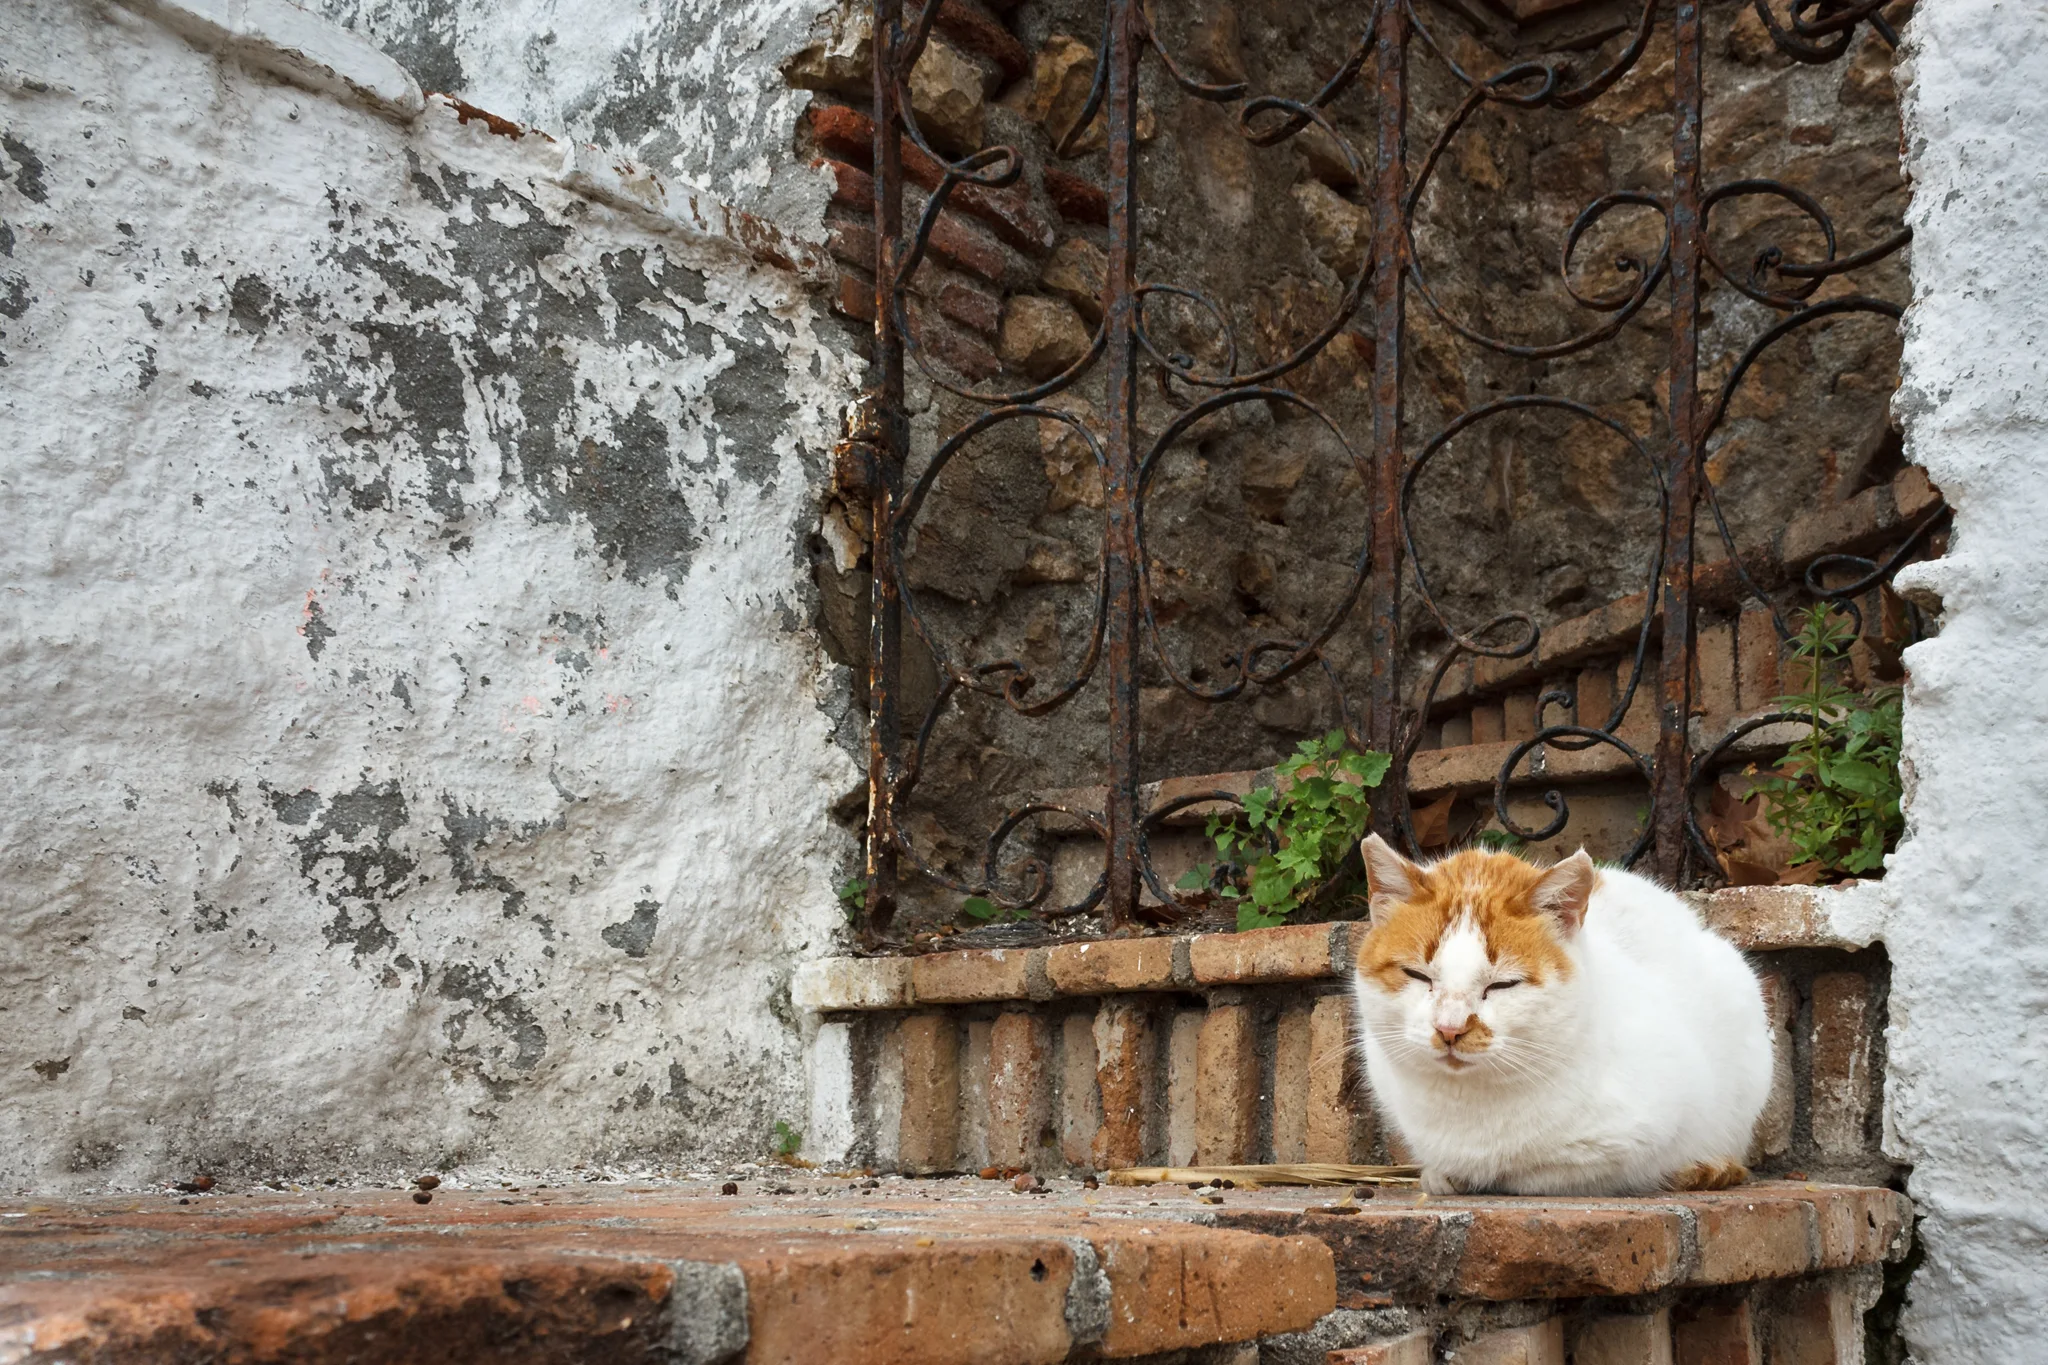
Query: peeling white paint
x=1968, y=927
x=416, y=751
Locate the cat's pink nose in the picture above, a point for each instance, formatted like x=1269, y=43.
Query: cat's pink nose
x=1451, y=1033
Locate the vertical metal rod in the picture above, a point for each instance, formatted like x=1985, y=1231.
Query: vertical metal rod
x=1674, y=676
x=885, y=606
x=1120, y=634
x=1389, y=300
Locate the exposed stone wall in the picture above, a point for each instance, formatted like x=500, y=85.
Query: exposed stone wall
x=1969, y=1081
x=416, y=751
x=1255, y=518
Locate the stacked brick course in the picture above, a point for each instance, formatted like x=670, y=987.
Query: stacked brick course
x=1234, y=1048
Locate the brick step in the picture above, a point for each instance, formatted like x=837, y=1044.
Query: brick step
x=1228, y=1048
x=934, y=1272
x=679, y=1274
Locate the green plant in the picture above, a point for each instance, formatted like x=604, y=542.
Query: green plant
x=1285, y=847
x=1835, y=795
x=787, y=1139
x=853, y=899
x=988, y=912
x=1499, y=841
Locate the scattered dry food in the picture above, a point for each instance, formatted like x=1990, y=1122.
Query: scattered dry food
x=1091, y=1183
x=427, y=1182
x=1025, y=1183
x=422, y=1196
x=198, y=1184
x=729, y=1187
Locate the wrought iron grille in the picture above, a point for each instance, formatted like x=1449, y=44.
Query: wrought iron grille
x=1390, y=458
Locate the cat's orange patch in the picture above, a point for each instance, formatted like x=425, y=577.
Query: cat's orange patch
x=1710, y=1175
x=1497, y=890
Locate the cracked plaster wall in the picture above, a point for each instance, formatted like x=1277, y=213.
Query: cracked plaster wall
x=1967, y=927
x=417, y=752
x=693, y=88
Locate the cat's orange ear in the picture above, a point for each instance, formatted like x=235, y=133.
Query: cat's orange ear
x=1390, y=879
x=1565, y=889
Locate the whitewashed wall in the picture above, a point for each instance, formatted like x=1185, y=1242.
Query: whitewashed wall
x=1968, y=923
x=416, y=751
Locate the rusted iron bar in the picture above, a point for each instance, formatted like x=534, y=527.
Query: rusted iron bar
x=1120, y=487
x=885, y=475
x=1383, y=606
x=1675, y=667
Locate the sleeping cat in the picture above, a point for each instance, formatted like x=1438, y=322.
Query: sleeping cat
x=1570, y=1030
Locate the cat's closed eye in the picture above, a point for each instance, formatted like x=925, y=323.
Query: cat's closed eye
x=1500, y=986
x=1414, y=975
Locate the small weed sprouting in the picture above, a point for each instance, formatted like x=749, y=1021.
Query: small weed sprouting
x=787, y=1140
x=1499, y=841
x=1285, y=847
x=1835, y=795
x=985, y=911
x=853, y=900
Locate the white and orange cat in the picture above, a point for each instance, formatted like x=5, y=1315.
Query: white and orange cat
x=1570, y=1030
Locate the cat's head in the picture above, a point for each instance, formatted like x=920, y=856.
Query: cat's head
x=1470, y=966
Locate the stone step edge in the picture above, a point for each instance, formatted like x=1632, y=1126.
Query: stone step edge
x=1753, y=918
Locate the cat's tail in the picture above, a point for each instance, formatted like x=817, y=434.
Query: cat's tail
x=1709, y=1175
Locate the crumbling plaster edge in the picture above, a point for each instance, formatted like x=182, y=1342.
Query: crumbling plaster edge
x=316, y=54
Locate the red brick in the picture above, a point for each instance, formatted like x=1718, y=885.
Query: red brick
x=1295, y=952
x=1814, y=1323
x=1488, y=723
x=1843, y=1085
x=1773, y=1135
x=1125, y=1052
x=1227, y=1087
x=1111, y=965
x=1714, y=687
x=961, y=244
x=1183, y=1048
x=961, y=352
x=1540, y=1343
x=1518, y=716
x=1596, y=695
x=1569, y=1253
x=1334, y=1132
x=978, y=308
x=970, y=975
x=1769, y=918
x=851, y=242
x=973, y=29
x=855, y=296
x=1744, y=1236
x=1624, y=1339
x=852, y=187
x=1756, y=660
x=1417, y=1348
x=929, y=1136
x=1293, y=1051
x=847, y=134
x=1175, y=1290
x=1714, y=1334
x=1077, y=200
x=1080, y=1098
x=1019, y=1089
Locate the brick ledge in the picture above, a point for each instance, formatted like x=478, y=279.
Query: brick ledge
x=1754, y=918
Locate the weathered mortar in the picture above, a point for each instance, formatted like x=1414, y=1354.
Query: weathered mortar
x=414, y=753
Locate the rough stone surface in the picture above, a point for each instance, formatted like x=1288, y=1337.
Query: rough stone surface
x=1132, y=964
x=1293, y=952
x=1625, y=1339
x=964, y=977
x=930, y=1133
x=1019, y=1089
x=410, y=732
x=1967, y=1092
x=1540, y=1343
x=1126, y=1048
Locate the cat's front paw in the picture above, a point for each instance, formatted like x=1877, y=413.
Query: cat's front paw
x=1435, y=1181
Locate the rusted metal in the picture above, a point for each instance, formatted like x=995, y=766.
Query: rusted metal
x=1120, y=482
x=1128, y=350
x=1389, y=457
x=1668, y=799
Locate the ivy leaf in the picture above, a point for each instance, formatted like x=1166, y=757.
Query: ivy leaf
x=978, y=907
x=1195, y=878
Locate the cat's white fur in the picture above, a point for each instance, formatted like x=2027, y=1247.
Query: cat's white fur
x=1652, y=1055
